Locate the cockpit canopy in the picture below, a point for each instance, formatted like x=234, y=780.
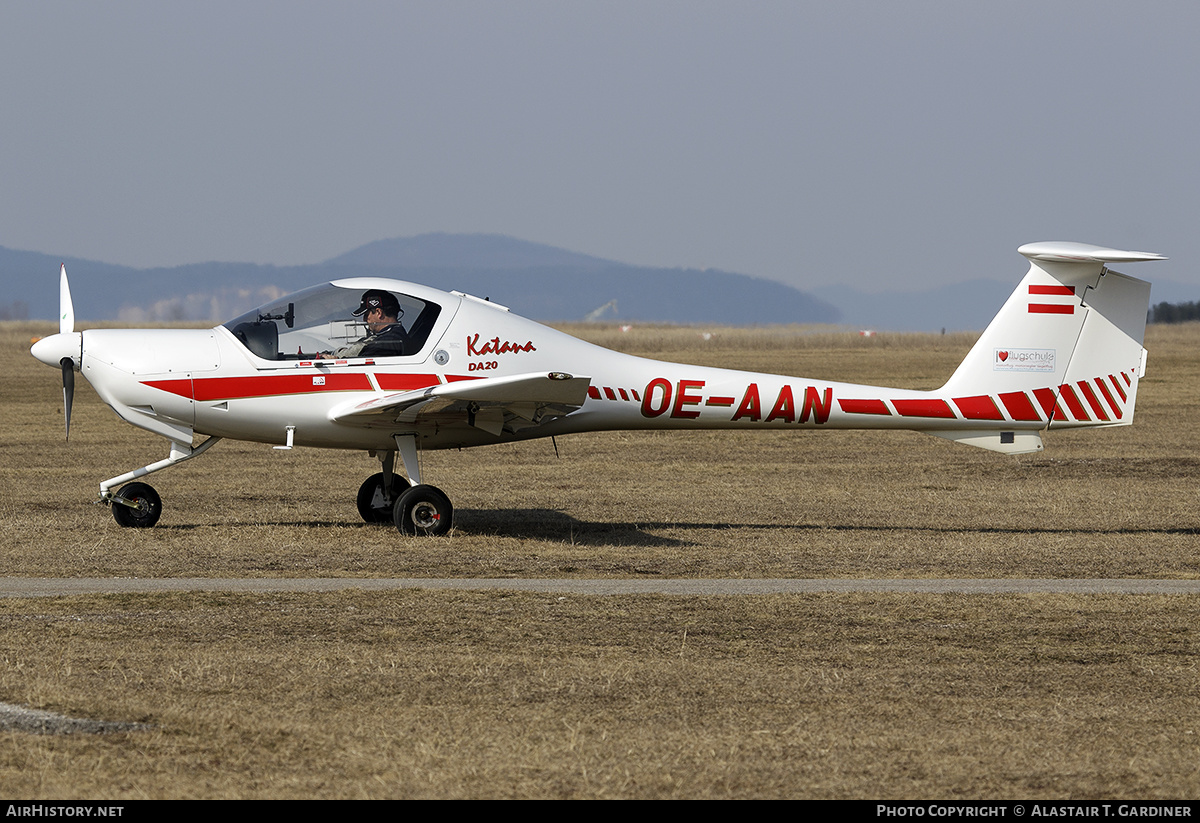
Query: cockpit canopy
x=320, y=321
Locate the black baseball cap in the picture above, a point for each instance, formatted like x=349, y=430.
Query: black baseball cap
x=378, y=299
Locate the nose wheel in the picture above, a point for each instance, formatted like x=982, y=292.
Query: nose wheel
x=137, y=506
x=423, y=510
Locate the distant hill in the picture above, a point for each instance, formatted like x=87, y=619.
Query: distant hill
x=536, y=281
x=966, y=306
x=959, y=307
x=465, y=251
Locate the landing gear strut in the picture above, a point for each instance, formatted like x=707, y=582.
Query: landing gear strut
x=414, y=509
x=137, y=505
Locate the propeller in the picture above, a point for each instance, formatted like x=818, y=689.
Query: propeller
x=64, y=349
x=66, y=309
x=68, y=372
x=66, y=324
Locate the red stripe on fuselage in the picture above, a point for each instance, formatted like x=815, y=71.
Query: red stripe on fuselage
x=275, y=385
x=405, y=382
x=864, y=406
x=979, y=407
x=1073, y=404
x=1019, y=407
x=1117, y=385
x=924, y=408
x=1049, y=403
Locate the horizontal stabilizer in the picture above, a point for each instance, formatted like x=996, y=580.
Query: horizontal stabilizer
x=1064, y=252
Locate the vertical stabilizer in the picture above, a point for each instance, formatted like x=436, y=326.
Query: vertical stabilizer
x=1066, y=348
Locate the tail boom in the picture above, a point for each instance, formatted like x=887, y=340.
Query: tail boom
x=1064, y=351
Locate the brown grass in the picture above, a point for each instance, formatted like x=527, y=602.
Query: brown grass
x=424, y=694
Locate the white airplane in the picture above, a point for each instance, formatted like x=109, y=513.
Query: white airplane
x=397, y=368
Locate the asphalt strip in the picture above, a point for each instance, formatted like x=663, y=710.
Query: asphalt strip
x=35, y=721
x=57, y=587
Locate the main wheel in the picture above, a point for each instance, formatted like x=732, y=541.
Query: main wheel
x=375, y=503
x=147, y=511
x=423, y=510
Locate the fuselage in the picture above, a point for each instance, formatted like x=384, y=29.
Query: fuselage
x=257, y=377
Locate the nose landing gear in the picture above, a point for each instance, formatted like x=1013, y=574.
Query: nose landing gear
x=136, y=506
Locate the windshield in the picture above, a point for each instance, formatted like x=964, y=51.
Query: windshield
x=330, y=321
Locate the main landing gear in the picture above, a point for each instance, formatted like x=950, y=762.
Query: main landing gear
x=376, y=499
x=423, y=510
x=419, y=509
x=414, y=508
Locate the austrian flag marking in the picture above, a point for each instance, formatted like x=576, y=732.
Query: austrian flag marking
x=1065, y=304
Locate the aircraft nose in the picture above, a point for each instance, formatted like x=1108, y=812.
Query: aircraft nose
x=51, y=350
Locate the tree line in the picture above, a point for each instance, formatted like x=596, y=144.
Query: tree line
x=1174, y=312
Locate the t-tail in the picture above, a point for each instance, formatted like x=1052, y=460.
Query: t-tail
x=1065, y=351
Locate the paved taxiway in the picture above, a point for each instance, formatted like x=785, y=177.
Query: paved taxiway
x=57, y=587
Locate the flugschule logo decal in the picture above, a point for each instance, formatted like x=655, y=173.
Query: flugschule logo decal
x=1034, y=360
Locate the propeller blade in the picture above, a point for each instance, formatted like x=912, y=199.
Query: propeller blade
x=66, y=309
x=68, y=372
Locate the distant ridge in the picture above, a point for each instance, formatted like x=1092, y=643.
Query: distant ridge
x=534, y=280
x=464, y=251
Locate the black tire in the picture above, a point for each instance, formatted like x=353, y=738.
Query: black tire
x=147, y=512
x=423, y=510
x=374, y=505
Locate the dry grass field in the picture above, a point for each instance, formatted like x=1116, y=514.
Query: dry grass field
x=477, y=694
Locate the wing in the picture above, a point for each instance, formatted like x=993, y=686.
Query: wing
x=493, y=404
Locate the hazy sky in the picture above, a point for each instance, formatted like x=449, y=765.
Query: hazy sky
x=878, y=144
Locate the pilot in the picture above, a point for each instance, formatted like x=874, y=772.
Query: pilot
x=381, y=311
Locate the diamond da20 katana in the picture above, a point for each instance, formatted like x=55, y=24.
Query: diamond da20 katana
x=395, y=368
